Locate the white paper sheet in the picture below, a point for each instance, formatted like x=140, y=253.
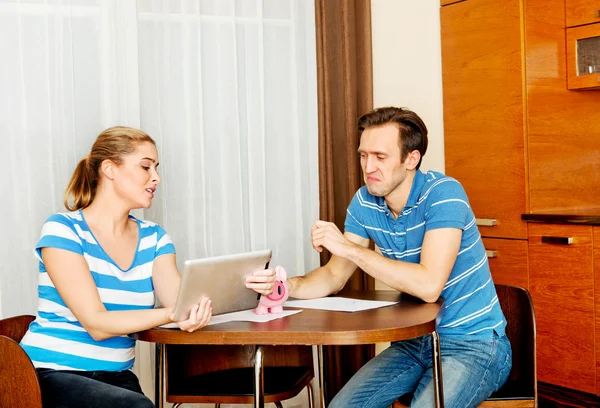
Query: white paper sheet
x=338, y=304
x=243, y=316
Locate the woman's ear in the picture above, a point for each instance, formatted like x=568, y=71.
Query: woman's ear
x=108, y=169
x=413, y=159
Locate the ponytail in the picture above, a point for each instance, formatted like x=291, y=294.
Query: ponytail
x=82, y=187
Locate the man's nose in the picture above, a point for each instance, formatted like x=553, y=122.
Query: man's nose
x=370, y=166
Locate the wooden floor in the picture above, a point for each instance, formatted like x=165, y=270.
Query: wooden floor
x=550, y=396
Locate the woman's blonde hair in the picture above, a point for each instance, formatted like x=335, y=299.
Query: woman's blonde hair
x=112, y=144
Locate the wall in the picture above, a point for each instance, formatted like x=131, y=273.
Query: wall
x=407, y=70
x=407, y=65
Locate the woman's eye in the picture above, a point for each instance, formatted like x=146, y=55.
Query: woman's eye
x=145, y=168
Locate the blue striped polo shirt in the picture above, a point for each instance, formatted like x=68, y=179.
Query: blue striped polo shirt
x=56, y=339
x=436, y=201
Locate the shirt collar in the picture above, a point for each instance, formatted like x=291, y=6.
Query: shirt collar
x=415, y=190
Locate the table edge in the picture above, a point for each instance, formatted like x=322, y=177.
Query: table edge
x=175, y=336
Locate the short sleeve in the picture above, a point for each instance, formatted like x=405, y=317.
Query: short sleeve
x=164, y=245
x=59, y=231
x=447, y=206
x=353, y=214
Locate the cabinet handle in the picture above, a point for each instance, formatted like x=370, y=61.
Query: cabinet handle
x=598, y=13
x=491, y=253
x=557, y=240
x=485, y=222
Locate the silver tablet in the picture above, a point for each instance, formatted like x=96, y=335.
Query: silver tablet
x=223, y=280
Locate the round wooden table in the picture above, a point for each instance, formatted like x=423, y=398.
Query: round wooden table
x=407, y=319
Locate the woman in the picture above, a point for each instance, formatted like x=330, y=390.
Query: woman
x=100, y=268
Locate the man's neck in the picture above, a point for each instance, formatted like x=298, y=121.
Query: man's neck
x=398, y=198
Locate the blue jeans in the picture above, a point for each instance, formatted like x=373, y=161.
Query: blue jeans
x=91, y=389
x=472, y=369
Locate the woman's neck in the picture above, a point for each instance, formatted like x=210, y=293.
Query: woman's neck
x=107, y=217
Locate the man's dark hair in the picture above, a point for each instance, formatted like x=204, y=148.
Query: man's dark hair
x=412, y=133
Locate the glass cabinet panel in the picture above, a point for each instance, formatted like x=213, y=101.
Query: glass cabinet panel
x=588, y=56
x=583, y=57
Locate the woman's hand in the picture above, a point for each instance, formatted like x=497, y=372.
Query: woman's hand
x=262, y=281
x=199, y=316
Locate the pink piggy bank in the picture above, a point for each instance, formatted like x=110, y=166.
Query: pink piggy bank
x=273, y=303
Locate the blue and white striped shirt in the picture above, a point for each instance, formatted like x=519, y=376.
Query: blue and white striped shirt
x=56, y=339
x=436, y=201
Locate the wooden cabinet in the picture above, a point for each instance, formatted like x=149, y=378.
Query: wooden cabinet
x=447, y=2
x=597, y=302
x=483, y=110
x=581, y=12
x=562, y=126
x=583, y=57
x=508, y=261
x=562, y=289
x=521, y=142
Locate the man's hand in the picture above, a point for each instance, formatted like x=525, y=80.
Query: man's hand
x=262, y=281
x=327, y=235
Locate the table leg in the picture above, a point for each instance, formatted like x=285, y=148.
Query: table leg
x=159, y=376
x=259, y=378
x=321, y=377
x=438, y=385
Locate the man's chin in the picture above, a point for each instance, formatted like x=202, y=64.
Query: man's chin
x=376, y=192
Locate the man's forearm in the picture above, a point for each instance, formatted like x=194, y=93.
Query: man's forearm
x=318, y=283
x=402, y=276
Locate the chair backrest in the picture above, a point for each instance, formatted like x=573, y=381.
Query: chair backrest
x=15, y=327
x=518, y=309
x=184, y=361
x=19, y=385
x=224, y=373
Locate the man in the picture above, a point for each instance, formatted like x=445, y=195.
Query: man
x=430, y=247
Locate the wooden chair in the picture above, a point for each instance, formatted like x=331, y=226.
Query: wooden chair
x=225, y=374
x=19, y=385
x=520, y=390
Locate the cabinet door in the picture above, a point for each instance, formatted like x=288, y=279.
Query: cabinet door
x=583, y=57
x=508, y=261
x=561, y=279
x=597, y=296
x=562, y=128
x=581, y=12
x=447, y=2
x=483, y=110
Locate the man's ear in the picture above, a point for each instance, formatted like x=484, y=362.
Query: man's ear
x=108, y=168
x=412, y=160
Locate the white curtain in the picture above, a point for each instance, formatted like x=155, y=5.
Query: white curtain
x=226, y=87
x=223, y=88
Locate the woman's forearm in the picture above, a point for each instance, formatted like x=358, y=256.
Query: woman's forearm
x=106, y=324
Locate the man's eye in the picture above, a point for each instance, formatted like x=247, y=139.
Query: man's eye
x=381, y=157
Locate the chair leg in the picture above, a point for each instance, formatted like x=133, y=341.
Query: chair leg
x=278, y=404
x=309, y=391
x=177, y=405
